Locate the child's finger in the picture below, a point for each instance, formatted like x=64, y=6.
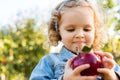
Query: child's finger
x=108, y=74
x=99, y=53
x=103, y=70
x=80, y=68
x=108, y=63
x=89, y=77
x=104, y=54
x=108, y=55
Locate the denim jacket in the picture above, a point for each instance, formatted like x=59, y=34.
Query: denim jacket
x=51, y=66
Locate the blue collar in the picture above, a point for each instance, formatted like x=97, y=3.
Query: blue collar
x=65, y=53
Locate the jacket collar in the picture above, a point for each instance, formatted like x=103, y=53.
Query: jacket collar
x=65, y=53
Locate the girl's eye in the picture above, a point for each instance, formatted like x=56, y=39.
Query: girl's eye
x=70, y=30
x=87, y=29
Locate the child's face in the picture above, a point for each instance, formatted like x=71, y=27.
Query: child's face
x=77, y=28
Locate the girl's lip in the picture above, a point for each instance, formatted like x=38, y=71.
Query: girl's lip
x=79, y=42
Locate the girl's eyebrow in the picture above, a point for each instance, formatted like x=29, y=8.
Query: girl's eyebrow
x=70, y=26
x=88, y=25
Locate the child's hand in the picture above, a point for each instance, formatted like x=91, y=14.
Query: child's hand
x=108, y=63
x=75, y=74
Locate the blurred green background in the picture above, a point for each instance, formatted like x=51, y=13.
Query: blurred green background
x=23, y=46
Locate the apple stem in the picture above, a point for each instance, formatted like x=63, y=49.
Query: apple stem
x=78, y=51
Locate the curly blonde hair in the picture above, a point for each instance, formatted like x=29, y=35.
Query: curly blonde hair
x=53, y=34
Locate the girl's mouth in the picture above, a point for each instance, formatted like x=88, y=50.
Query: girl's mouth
x=79, y=42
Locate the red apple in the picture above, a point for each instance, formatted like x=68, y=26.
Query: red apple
x=91, y=58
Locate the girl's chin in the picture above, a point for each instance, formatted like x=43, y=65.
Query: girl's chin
x=79, y=47
x=76, y=49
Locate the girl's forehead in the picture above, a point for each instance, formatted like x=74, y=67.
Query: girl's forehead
x=83, y=15
x=80, y=9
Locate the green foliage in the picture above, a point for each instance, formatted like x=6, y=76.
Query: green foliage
x=21, y=49
x=112, y=23
x=117, y=27
x=113, y=46
x=108, y=3
x=111, y=4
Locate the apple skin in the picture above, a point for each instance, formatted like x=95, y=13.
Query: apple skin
x=91, y=58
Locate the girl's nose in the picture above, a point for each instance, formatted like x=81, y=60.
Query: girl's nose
x=79, y=34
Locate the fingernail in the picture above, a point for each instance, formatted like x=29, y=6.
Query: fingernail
x=104, y=58
x=88, y=65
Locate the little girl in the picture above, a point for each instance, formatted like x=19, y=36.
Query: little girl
x=75, y=23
